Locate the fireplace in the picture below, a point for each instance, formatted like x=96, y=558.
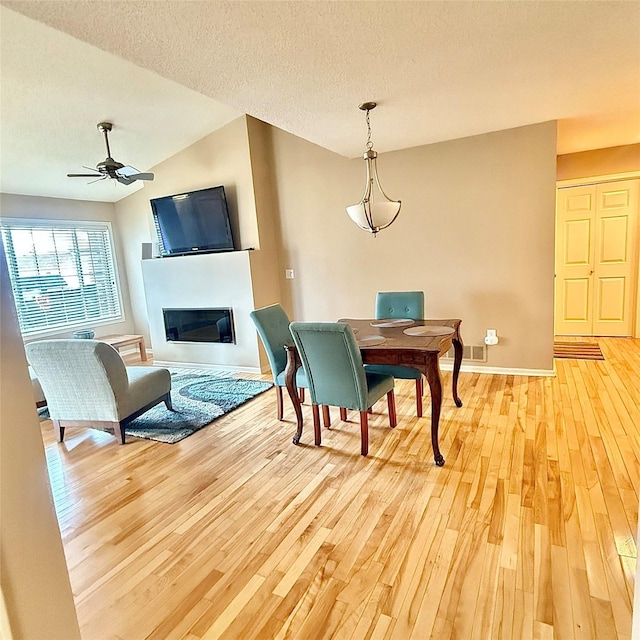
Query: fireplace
x=199, y=325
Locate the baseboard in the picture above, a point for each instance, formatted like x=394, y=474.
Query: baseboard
x=210, y=367
x=445, y=366
x=504, y=371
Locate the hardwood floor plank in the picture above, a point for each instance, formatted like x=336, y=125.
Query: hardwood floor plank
x=527, y=532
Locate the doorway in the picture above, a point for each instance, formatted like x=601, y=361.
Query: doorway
x=597, y=258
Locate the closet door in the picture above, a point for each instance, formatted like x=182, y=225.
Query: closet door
x=575, y=219
x=616, y=232
x=596, y=258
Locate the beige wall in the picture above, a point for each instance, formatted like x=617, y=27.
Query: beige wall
x=265, y=263
x=33, y=575
x=476, y=233
x=599, y=162
x=221, y=158
x=33, y=207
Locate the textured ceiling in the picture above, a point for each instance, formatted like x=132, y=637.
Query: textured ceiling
x=162, y=70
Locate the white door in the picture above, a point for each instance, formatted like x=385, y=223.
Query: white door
x=596, y=258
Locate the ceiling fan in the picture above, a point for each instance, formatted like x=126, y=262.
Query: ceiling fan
x=109, y=168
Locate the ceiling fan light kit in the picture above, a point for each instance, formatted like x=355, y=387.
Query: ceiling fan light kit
x=110, y=168
x=376, y=210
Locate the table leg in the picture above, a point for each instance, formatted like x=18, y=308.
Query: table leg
x=435, y=385
x=457, y=361
x=293, y=363
x=143, y=350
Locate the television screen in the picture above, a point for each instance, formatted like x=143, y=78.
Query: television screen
x=193, y=222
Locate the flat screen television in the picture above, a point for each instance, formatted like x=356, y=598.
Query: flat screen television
x=193, y=222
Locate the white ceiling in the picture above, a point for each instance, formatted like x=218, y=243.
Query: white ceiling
x=167, y=73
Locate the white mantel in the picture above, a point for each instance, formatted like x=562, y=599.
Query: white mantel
x=202, y=281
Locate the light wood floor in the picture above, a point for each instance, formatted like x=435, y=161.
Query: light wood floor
x=527, y=532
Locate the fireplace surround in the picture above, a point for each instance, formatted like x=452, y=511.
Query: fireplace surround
x=206, y=281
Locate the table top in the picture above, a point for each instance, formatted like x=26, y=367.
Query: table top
x=421, y=335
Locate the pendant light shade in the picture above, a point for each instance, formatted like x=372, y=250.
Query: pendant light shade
x=376, y=210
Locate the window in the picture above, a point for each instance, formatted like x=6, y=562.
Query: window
x=63, y=274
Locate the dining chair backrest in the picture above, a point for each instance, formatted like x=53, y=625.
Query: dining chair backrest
x=272, y=324
x=331, y=357
x=400, y=304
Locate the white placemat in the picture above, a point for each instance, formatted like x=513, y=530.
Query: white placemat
x=400, y=322
x=428, y=331
x=370, y=341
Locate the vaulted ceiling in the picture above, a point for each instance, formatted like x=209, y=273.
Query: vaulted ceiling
x=167, y=73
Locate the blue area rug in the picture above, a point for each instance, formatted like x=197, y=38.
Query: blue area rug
x=197, y=399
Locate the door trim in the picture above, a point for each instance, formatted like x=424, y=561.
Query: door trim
x=611, y=177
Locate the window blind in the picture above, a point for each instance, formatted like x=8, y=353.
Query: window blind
x=63, y=274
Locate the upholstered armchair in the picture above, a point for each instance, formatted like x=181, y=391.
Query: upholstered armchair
x=337, y=377
x=401, y=304
x=87, y=384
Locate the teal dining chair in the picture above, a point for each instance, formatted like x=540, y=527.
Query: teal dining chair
x=401, y=304
x=337, y=377
x=272, y=324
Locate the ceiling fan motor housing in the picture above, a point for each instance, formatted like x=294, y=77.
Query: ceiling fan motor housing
x=110, y=168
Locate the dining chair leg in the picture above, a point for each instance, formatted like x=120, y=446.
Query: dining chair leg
x=326, y=416
x=343, y=414
x=301, y=394
x=391, y=404
x=316, y=424
x=279, y=403
x=419, y=394
x=364, y=433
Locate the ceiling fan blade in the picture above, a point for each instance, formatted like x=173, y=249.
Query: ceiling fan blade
x=127, y=171
x=125, y=180
x=133, y=174
x=82, y=175
x=98, y=179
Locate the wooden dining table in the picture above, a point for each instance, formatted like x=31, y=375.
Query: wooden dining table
x=412, y=343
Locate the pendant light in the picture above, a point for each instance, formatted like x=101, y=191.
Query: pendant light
x=376, y=210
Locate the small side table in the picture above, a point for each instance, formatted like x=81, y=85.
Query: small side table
x=117, y=342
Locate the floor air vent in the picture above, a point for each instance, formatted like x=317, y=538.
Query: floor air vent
x=474, y=352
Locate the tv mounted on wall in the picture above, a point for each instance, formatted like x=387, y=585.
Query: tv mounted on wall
x=193, y=222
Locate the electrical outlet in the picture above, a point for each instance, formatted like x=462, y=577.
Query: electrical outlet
x=288, y=274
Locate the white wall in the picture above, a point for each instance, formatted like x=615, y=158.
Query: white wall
x=33, y=578
x=476, y=234
x=212, y=280
x=33, y=207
